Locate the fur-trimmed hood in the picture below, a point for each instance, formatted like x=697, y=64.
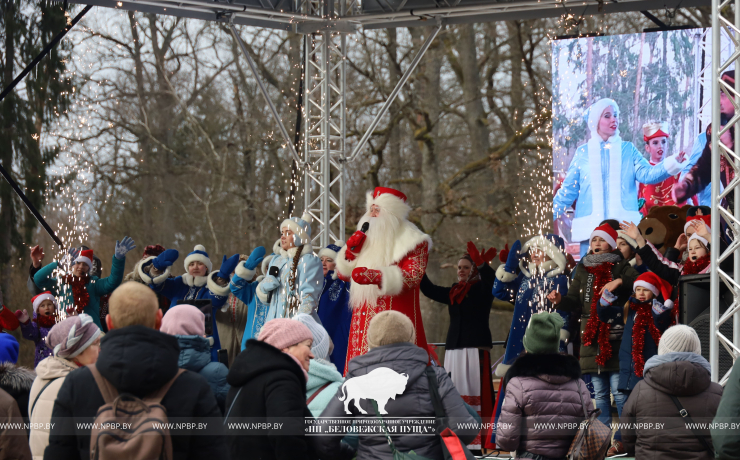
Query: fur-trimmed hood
x=15, y=379
x=554, y=247
x=552, y=367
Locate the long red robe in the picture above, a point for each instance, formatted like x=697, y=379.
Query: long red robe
x=412, y=267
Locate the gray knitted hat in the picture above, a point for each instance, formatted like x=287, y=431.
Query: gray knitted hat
x=321, y=346
x=679, y=338
x=72, y=336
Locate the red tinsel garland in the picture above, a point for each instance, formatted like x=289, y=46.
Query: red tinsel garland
x=595, y=328
x=80, y=296
x=692, y=267
x=46, y=321
x=643, y=320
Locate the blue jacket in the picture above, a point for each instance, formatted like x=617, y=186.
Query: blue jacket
x=196, y=357
x=319, y=374
x=186, y=287
x=632, y=167
x=336, y=316
x=627, y=377
x=32, y=331
x=96, y=287
x=246, y=291
x=308, y=283
x=528, y=294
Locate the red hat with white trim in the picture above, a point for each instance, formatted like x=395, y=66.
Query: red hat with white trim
x=656, y=285
x=705, y=219
x=86, y=256
x=654, y=129
x=388, y=200
x=36, y=300
x=607, y=232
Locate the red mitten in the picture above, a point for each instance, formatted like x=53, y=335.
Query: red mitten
x=474, y=254
x=504, y=254
x=489, y=255
x=354, y=245
x=362, y=275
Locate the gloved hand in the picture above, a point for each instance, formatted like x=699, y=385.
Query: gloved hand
x=362, y=275
x=22, y=316
x=512, y=260
x=255, y=258
x=504, y=254
x=480, y=257
x=123, y=247
x=166, y=259
x=228, y=266
x=356, y=241
x=269, y=283
x=607, y=298
x=659, y=308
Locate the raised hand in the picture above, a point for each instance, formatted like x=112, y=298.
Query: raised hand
x=354, y=245
x=37, y=255
x=228, y=266
x=633, y=232
x=504, y=254
x=166, y=259
x=681, y=157
x=701, y=229
x=489, y=255
x=554, y=297
x=512, y=260
x=475, y=254
x=682, y=242
x=255, y=258
x=123, y=247
x=22, y=316
x=611, y=286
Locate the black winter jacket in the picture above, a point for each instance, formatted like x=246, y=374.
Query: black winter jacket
x=137, y=360
x=267, y=384
x=469, y=319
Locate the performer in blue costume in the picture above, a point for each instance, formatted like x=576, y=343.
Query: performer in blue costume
x=243, y=286
x=334, y=311
x=199, y=283
x=526, y=283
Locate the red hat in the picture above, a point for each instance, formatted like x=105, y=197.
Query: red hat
x=383, y=190
x=706, y=219
x=656, y=285
x=653, y=130
x=607, y=232
x=36, y=300
x=86, y=256
x=153, y=250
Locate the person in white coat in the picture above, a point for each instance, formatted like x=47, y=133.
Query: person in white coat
x=75, y=343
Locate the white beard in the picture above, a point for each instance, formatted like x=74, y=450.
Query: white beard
x=377, y=252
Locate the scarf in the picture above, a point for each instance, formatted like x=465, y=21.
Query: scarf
x=46, y=321
x=460, y=289
x=79, y=291
x=692, y=267
x=600, y=266
x=643, y=321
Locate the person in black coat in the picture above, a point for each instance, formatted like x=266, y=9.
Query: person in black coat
x=137, y=359
x=467, y=350
x=268, y=383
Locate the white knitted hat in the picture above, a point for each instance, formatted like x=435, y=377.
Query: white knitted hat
x=321, y=346
x=679, y=338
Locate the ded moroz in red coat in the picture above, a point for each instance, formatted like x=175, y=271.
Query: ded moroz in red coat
x=399, y=251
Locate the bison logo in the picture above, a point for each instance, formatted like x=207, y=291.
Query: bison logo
x=380, y=384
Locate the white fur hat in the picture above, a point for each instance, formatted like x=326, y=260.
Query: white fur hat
x=199, y=254
x=301, y=228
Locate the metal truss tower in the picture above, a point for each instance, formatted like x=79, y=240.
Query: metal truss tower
x=725, y=18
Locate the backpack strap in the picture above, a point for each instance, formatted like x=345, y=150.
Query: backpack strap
x=156, y=397
x=685, y=414
x=439, y=410
x=107, y=390
x=33, y=406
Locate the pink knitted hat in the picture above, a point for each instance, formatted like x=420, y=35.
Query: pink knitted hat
x=283, y=333
x=184, y=320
